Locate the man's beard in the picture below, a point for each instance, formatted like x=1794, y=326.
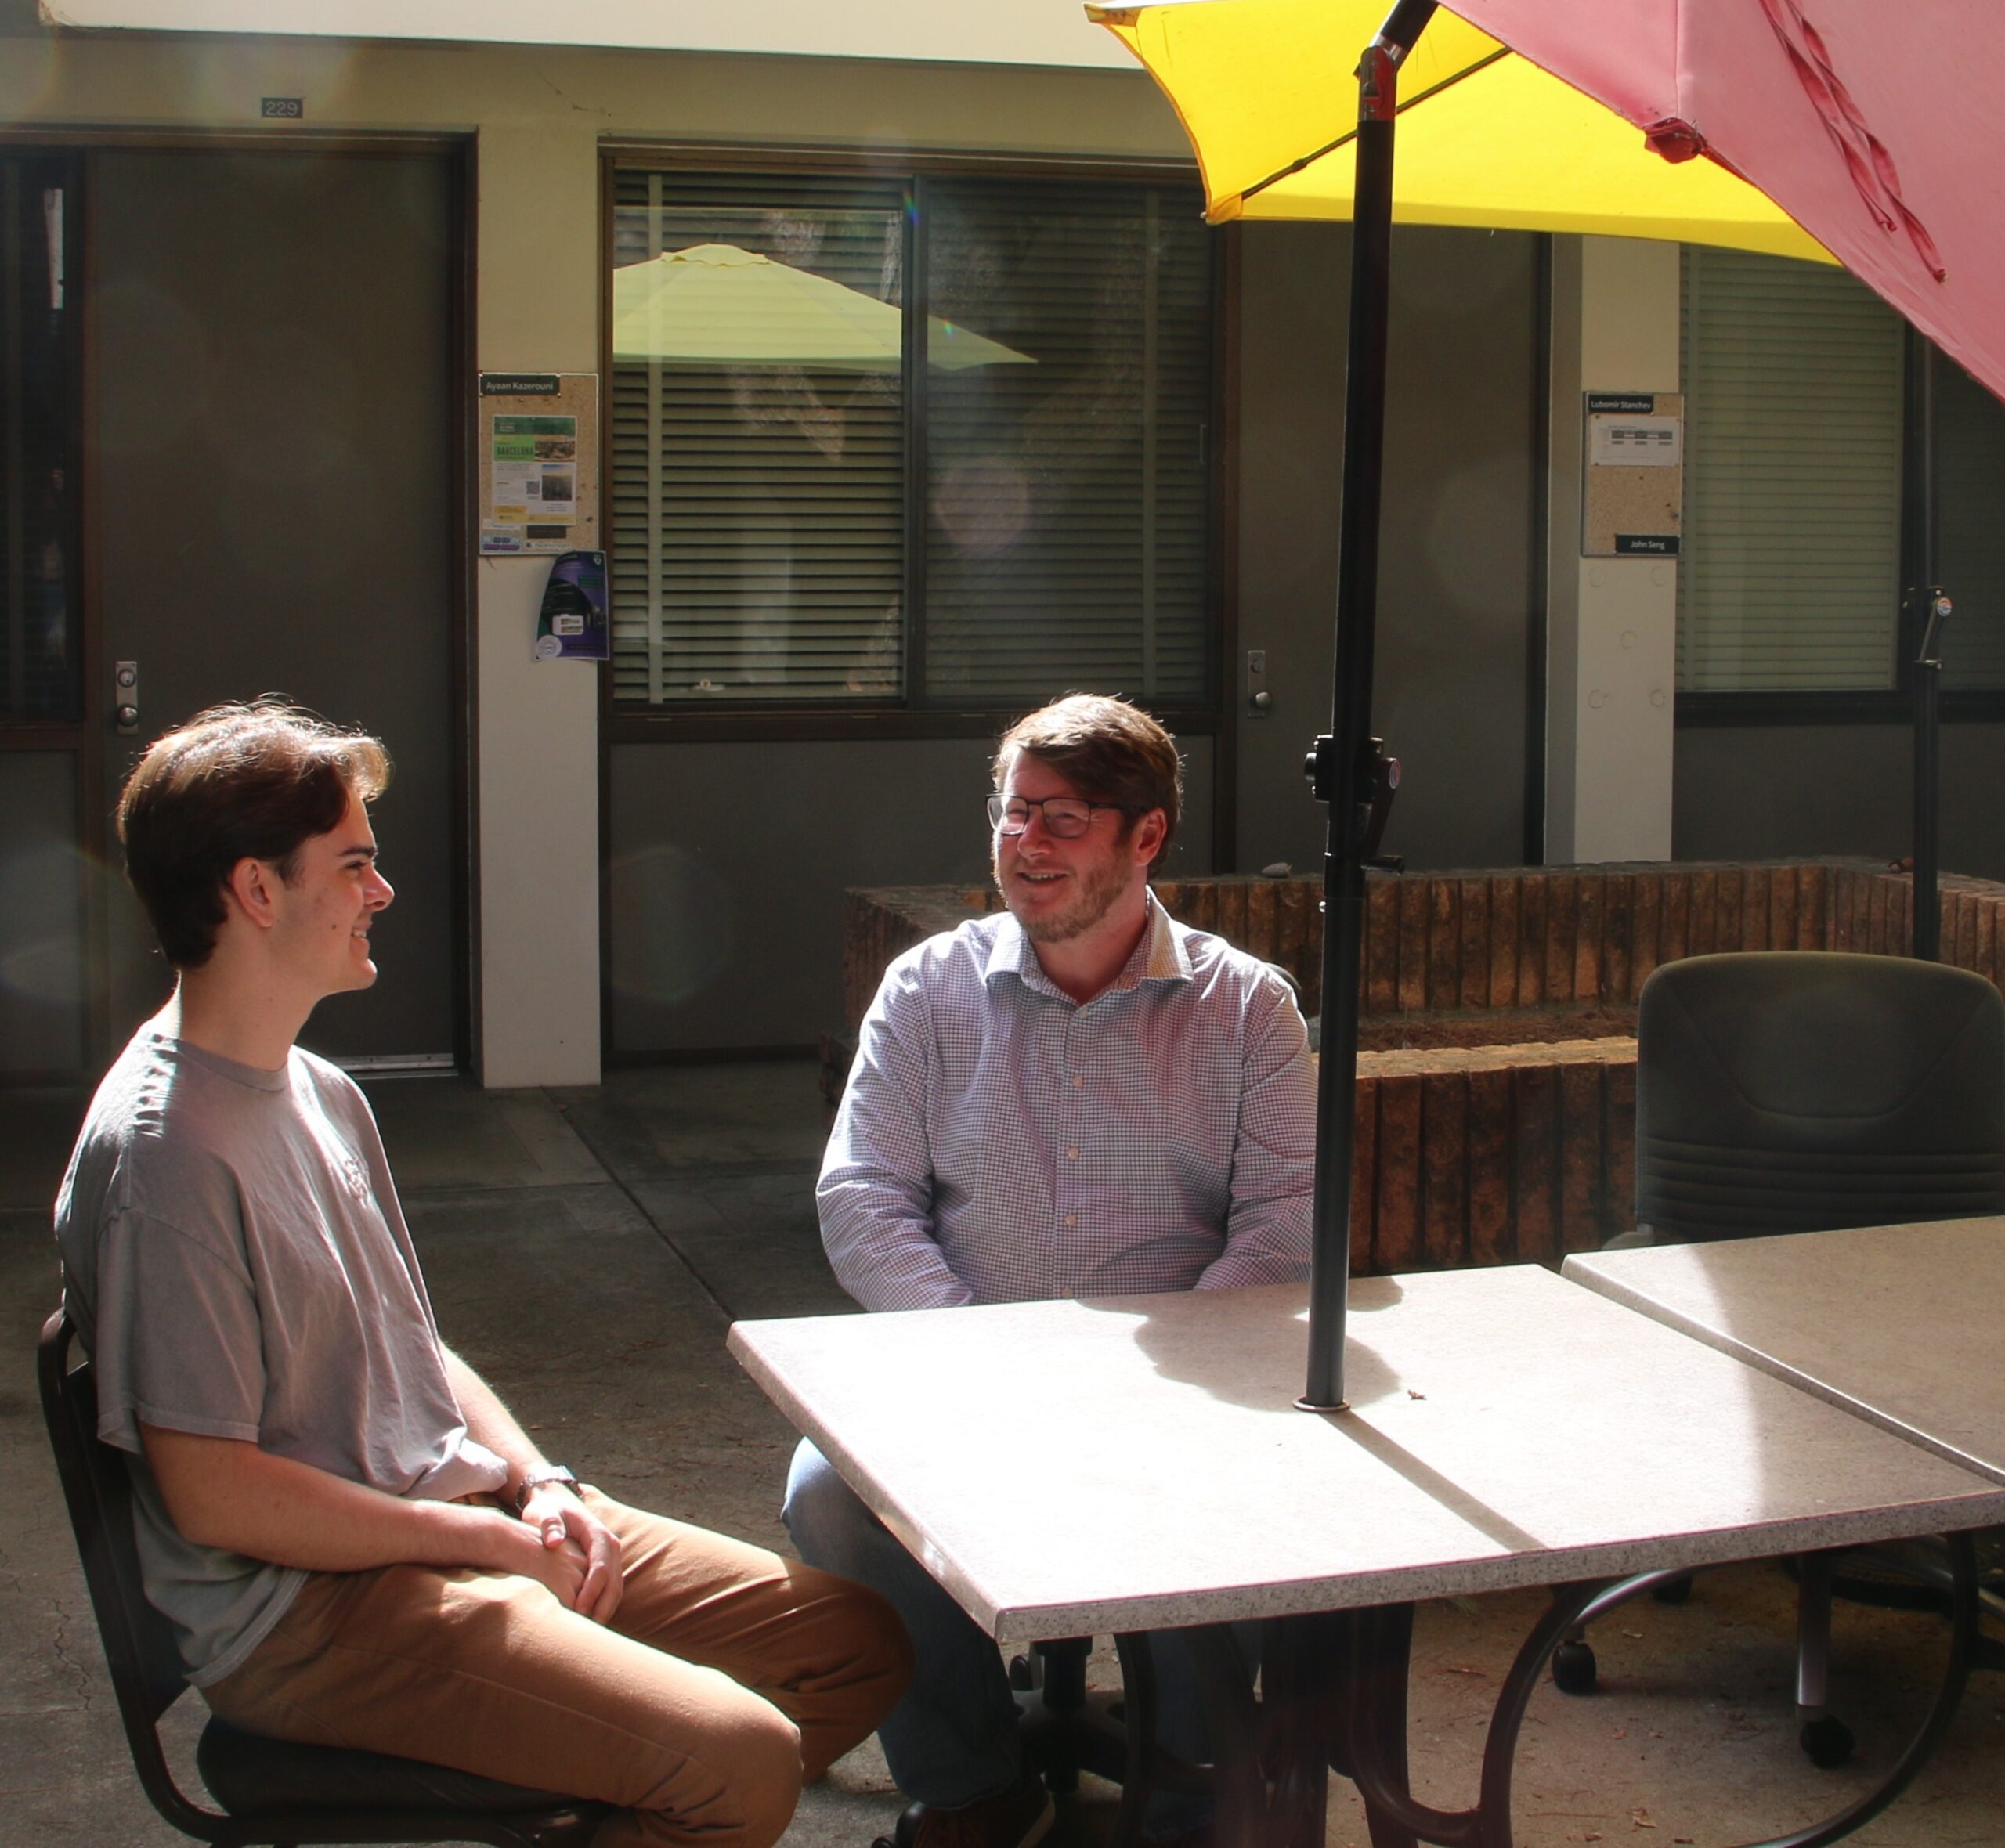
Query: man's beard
x=1098, y=892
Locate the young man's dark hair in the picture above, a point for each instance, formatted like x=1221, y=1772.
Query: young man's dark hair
x=236, y=782
x=1109, y=751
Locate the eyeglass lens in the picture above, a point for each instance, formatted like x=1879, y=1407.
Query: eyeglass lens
x=1065, y=817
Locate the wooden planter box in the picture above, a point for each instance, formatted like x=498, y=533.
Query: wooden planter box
x=1516, y=1140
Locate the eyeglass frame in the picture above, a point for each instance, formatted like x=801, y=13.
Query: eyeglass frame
x=998, y=805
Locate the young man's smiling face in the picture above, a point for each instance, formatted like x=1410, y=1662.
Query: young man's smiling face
x=329, y=904
x=1060, y=890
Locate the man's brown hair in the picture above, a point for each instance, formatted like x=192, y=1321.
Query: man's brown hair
x=236, y=782
x=1110, y=751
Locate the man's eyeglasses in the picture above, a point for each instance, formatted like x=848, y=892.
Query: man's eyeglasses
x=1066, y=817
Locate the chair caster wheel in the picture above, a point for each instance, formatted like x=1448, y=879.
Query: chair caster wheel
x=1828, y=1743
x=1023, y=1675
x=1574, y=1669
x=1674, y=1591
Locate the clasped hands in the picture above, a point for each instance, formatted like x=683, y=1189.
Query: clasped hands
x=572, y=1552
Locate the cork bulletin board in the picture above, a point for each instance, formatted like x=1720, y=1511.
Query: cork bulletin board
x=1632, y=491
x=538, y=444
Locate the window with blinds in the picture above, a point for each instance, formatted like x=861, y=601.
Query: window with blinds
x=40, y=639
x=933, y=441
x=1789, y=576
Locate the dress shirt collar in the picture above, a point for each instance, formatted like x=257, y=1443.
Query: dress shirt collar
x=1159, y=957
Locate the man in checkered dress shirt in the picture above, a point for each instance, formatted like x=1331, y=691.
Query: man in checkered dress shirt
x=1079, y=1096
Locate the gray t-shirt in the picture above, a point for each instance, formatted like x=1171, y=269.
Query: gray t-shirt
x=237, y=1266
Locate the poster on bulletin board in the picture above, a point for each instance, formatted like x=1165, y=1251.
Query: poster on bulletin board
x=539, y=462
x=1632, y=496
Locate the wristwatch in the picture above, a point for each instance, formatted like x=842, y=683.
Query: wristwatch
x=534, y=1479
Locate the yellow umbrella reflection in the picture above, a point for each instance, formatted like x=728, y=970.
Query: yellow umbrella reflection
x=715, y=304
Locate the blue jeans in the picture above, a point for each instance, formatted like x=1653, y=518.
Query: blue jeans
x=951, y=1740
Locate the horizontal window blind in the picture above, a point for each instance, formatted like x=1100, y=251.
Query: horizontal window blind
x=761, y=528
x=1970, y=526
x=758, y=509
x=1066, y=499
x=1790, y=574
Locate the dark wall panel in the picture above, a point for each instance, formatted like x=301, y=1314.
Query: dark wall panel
x=1455, y=597
x=41, y=1001
x=272, y=353
x=1752, y=791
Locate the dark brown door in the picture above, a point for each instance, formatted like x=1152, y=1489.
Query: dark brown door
x=47, y=749
x=272, y=435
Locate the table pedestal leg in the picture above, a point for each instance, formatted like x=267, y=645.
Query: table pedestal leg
x=1333, y=1685
x=1371, y=1730
x=1270, y=1776
x=1334, y=1694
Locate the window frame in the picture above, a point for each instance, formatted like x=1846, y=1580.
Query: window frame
x=821, y=720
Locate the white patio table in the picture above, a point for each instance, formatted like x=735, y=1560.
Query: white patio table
x=1900, y=1325
x=1070, y=1468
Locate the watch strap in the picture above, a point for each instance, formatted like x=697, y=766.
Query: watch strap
x=534, y=1479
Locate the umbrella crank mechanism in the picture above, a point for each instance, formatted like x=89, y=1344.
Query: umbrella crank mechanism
x=1378, y=781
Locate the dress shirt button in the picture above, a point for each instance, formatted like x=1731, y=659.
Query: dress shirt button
x=1078, y=1078
x=1071, y=1154
x=1071, y=1218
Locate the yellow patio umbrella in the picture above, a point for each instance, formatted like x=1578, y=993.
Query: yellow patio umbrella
x=715, y=304
x=1266, y=91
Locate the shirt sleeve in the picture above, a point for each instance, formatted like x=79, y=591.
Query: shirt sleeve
x=177, y=1341
x=1274, y=1157
x=875, y=1192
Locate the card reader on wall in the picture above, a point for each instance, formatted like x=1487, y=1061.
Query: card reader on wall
x=572, y=626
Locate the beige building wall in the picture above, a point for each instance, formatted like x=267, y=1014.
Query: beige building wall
x=1612, y=622
x=538, y=117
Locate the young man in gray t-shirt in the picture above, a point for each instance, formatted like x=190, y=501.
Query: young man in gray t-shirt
x=354, y=1542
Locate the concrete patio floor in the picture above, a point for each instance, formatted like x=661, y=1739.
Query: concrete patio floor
x=587, y=1250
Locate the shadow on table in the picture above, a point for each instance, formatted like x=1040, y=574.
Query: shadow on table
x=1249, y=1346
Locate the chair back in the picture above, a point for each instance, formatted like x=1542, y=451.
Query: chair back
x=1804, y=1090
x=147, y=1673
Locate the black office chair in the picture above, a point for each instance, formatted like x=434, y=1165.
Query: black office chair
x=272, y=1793
x=1806, y=1091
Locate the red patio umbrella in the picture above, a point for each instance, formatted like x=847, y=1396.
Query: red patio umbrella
x=1874, y=124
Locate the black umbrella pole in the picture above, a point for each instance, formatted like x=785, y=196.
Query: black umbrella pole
x=1345, y=765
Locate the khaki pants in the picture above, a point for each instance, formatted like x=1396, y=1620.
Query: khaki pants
x=729, y=1678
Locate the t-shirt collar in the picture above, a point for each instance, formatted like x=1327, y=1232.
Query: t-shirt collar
x=251, y=1077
